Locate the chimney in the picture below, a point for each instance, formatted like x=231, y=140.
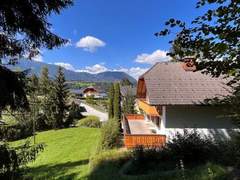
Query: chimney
x=189, y=63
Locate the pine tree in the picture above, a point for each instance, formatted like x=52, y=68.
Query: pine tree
x=46, y=91
x=116, y=102
x=110, y=105
x=33, y=85
x=129, y=103
x=61, y=95
x=44, y=81
x=126, y=82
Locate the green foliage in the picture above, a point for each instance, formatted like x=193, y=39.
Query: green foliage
x=33, y=86
x=115, y=164
x=90, y=100
x=46, y=90
x=110, y=103
x=116, y=102
x=16, y=132
x=54, y=99
x=79, y=85
x=34, y=35
x=13, y=89
x=44, y=81
x=21, y=129
x=110, y=134
x=126, y=82
x=209, y=41
x=60, y=97
x=229, y=151
x=75, y=111
x=191, y=147
x=28, y=19
x=12, y=158
x=188, y=150
x=129, y=104
x=41, y=122
x=90, y=121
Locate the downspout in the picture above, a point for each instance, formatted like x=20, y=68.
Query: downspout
x=163, y=120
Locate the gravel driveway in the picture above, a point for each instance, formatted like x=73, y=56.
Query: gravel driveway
x=91, y=111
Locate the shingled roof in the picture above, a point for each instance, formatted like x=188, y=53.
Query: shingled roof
x=169, y=84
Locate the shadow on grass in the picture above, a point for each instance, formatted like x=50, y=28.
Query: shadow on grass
x=53, y=171
x=107, y=169
x=114, y=169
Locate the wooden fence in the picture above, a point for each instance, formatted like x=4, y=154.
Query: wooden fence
x=145, y=140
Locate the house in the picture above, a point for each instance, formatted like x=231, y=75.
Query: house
x=77, y=92
x=171, y=97
x=90, y=91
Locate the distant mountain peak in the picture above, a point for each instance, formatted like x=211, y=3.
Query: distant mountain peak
x=107, y=76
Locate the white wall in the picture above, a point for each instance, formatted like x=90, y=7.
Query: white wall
x=208, y=120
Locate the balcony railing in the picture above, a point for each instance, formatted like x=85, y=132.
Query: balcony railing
x=132, y=140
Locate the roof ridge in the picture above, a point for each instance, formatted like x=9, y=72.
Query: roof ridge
x=165, y=62
x=148, y=70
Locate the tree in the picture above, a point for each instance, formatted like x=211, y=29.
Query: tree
x=44, y=81
x=46, y=92
x=117, y=101
x=24, y=29
x=126, y=82
x=110, y=103
x=129, y=103
x=33, y=85
x=213, y=39
x=61, y=95
x=13, y=89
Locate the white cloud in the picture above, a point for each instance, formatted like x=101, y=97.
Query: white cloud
x=69, y=43
x=65, y=65
x=97, y=68
x=38, y=55
x=156, y=56
x=38, y=58
x=90, y=43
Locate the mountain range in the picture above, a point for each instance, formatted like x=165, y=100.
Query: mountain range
x=107, y=76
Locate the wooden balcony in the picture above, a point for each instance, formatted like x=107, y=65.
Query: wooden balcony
x=138, y=133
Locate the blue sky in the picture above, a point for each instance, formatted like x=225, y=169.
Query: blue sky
x=115, y=34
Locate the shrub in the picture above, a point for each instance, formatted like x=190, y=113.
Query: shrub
x=90, y=121
x=90, y=100
x=191, y=147
x=110, y=135
x=17, y=131
x=229, y=151
x=14, y=158
x=41, y=123
x=74, y=113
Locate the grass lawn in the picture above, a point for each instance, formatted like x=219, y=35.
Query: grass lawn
x=66, y=155
x=69, y=155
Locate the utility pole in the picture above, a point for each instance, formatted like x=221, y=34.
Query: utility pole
x=33, y=103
